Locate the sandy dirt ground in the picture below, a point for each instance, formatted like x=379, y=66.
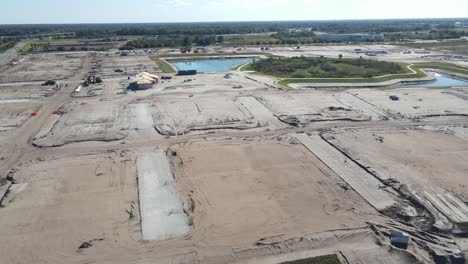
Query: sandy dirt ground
x=251, y=189
x=205, y=83
x=13, y=113
x=114, y=66
x=248, y=191
x=430, y=163
x=414, y=102
x=180, y=115
x=304, y=108
x=17, y=91
x=366, y=185
x=460, y=132
x=85, y=121
x=440, y=160
x=394, y=52
x=61, y=203
x=44, y=66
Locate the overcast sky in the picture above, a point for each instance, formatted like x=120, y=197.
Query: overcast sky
x=123, y=11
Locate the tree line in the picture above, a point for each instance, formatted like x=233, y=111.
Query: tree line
x=427, y=35
x=7, y=43
x=223, y=28
x=173, y=41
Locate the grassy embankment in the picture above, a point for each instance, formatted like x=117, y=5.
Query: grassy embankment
x=443, y=66
x=408, y=74
x=70, y=41
x=163, y=65
x=328, y=70
x=26, y=47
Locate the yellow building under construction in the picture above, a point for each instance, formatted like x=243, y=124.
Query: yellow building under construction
x=144, y=81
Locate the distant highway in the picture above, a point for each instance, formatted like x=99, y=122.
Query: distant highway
x=10, y=54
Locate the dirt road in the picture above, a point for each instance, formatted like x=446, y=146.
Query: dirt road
x=20, y=143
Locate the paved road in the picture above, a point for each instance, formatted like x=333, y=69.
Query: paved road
x=10, y=54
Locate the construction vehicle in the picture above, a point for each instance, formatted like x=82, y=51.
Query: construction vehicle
x=92, y=80
x=49, y=82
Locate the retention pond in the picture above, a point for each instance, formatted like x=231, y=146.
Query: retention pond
x=441, y=81
x=210, y=65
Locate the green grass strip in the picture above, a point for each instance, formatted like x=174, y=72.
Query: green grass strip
x=443, y=66
x=407, y=75
x=163, y=65
x=27, y=47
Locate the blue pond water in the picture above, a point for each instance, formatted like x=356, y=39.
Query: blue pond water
x=441, y=82
x=210, y=65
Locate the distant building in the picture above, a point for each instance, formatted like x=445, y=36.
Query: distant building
x=352, y=37
x=141, y=85
x=458, y=24
x=143, y=81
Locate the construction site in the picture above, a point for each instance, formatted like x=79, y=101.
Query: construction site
x=107, y=158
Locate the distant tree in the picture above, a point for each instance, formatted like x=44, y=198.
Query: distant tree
x=187, y=42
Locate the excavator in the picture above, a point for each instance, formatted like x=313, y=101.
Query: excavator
x=92, y=80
